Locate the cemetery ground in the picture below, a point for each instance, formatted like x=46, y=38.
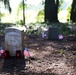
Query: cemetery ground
x=48, y=58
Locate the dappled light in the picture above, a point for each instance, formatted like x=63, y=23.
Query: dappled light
x=50, y=59
x=37, y=37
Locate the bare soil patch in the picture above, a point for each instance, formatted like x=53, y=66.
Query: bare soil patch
x=46, y=59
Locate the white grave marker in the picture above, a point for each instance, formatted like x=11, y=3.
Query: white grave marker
x=14, y=40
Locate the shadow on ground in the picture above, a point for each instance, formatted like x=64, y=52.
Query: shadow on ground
x=34, y=73
x=13, y=65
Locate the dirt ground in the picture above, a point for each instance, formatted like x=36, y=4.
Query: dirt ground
x=48, y=58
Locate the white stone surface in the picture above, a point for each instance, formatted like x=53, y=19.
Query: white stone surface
x=13, y=40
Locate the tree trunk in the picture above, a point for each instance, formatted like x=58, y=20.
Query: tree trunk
x=23, y=13
x=51, y=10
x=7, y=5
x=73, y=11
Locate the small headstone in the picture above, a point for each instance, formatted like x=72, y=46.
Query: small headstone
x=53, y=33
x=14, y=40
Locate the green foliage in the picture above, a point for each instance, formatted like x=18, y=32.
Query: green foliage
x=40, y=16
x=43, y=2
x=1, y=15
x=20, y=22
x=64, y=30
x=61, y=51
x=20, y=7
x=69, y=11
x=30, y=29
x=60, y=3
x=34, y=29
x=7, y=5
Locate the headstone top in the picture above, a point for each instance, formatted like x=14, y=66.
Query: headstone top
x=15, y=28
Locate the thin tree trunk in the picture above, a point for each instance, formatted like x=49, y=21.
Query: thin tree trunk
x=24, y=14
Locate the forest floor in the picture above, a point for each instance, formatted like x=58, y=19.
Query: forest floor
x=48, y=58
